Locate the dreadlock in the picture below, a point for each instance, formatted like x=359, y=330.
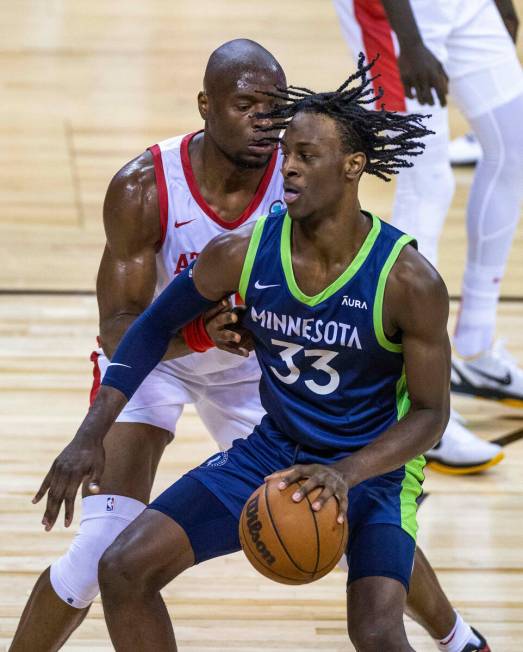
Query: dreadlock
x=387, y=139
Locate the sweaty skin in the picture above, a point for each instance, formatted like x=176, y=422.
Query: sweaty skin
x=228, y=167
x=326, y=235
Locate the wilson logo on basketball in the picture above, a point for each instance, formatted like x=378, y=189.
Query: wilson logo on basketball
x=254, y=526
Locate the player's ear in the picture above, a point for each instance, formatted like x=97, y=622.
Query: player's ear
x=203, y=104
x=354, y=164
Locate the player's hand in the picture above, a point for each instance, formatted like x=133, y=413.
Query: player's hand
x=318, y=475
x=223, y=327
x=75, y=463
x=421, y=72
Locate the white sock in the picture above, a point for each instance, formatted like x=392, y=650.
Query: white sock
x=458, y=637
x=476, y=323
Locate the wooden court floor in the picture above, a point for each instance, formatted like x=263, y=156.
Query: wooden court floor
x=87, y=85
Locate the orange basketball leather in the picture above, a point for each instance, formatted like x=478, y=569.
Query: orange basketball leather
x=288, y=542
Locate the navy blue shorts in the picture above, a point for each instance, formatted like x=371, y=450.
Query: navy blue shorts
x=207, y=503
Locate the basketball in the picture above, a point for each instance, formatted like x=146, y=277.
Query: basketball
x=288, y=542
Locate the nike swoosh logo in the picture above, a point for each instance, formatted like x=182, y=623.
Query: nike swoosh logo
x=259, y=286
x=177, y=225
x=119, y=364
x=503, y=380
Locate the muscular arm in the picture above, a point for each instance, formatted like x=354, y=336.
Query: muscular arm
x=420, y=70
x=416, y=303
x=127, y=274
x=216, y=274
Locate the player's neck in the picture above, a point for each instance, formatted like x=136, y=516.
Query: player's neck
x=217, y=175
x=332, y=237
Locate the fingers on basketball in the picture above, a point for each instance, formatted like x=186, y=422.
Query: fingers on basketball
x=289, y=542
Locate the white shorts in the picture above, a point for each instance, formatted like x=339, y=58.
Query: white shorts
x=228, y=402
x=467, y=36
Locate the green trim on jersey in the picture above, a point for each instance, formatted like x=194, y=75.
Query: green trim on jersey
x=377, y=312
x=250, y=256
x=356, y=263
x=411, y=486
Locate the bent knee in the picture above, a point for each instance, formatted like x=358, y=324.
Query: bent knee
x=118, y=569
x=377, y=634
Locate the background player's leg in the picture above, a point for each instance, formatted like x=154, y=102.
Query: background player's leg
x=492, y=217
x=424, y=192
x=375, y=608
x=133, y=451
x=47, y=621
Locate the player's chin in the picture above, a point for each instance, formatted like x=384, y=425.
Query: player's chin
x=256, y=156
x=298, y=209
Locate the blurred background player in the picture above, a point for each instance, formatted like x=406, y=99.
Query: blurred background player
x=461, y=47
x=466, y=150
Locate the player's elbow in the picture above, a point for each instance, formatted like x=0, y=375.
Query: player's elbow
x=439, y=419
x=112, y=329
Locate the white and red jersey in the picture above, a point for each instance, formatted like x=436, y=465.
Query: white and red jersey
x=188, y=224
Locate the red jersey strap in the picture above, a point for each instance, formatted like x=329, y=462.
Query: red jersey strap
x=195, y=191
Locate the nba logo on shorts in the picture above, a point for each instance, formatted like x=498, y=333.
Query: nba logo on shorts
x=110, y=504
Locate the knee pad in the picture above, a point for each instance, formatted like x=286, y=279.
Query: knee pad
x=74, y=577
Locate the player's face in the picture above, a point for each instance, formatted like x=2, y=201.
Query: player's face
x=315, y=168
x=231, y=120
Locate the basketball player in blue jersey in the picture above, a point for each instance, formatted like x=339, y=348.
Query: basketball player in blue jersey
x=346, y=317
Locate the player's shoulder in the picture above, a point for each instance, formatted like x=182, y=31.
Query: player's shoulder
x=139, y=175
x=414, y=280
x=131, y=211
x=136, y=176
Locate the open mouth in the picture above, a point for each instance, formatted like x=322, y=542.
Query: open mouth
x=290, y=194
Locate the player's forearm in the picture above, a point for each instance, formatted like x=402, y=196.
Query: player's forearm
x=147, y=340
x=102, y=414
x=403, y=22
x=113, y=329
x=416, y=433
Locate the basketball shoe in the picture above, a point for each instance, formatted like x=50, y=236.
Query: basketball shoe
x=483, y=646
x=465, y=150
x=494, y=375
x=461, y=452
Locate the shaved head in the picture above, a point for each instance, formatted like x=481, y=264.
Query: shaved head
x=238, y=81
x=237, y=59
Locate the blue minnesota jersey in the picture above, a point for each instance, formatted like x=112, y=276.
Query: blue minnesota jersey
x=330, y=377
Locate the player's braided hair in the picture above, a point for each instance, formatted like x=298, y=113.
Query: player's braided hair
x=388, y=139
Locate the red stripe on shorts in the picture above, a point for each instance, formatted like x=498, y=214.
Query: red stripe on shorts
x=96, y=377
x=377, y=39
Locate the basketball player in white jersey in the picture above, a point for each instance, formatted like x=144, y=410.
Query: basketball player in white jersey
x=199, y=185
x=462, y=47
